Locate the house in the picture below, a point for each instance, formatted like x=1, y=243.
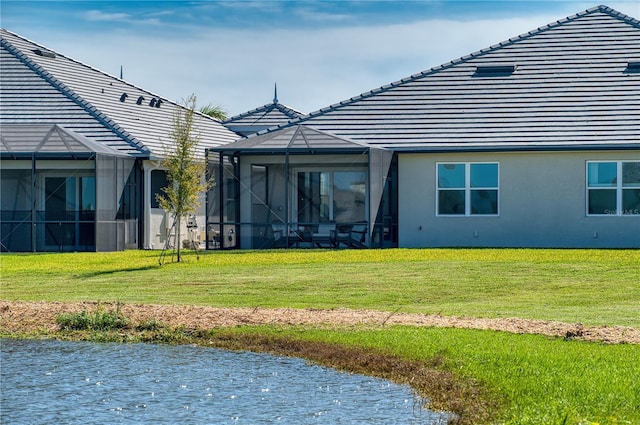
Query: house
x=533, y=142
x=80, y=154
x=266, y=116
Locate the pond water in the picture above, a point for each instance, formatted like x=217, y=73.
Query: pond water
x=48, y=381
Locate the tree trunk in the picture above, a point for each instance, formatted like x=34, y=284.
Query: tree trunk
x=178, y=238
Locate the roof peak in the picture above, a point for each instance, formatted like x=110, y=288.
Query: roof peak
x=275, y=105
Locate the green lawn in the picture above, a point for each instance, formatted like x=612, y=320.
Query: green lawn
x=594, y=287
x=536, y=379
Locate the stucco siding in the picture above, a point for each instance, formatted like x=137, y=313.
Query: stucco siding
x=542, y=203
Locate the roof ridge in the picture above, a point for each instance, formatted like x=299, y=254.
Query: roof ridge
x=615, y=14
x=247, y=113
x=604, y=9
x=284, y=107
x=69, y=93
x=277, y=105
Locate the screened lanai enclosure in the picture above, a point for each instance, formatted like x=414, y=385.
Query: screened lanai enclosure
x=64, y=192
x=300, y=187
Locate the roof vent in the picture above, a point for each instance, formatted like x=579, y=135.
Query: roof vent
x=494, y=70
x=158, y=103
x=152, y=103
x=45, y=53
x=140, y=100
x=633, y=67
x=123, y=97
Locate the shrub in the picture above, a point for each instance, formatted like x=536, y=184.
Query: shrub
x=150, y=325
x=97, y=321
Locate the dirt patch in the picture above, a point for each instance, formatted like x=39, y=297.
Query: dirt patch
x=16, y=316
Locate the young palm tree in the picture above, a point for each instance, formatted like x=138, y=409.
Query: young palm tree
x=216, y=111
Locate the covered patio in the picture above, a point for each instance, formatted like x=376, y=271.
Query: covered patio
x=64, y=192
x=301, y=187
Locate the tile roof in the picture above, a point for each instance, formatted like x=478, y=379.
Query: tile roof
x=23, y=140
x=575, y=84
x=299, y=138
x=26, y=97
x=266, y=116
x=41, y=86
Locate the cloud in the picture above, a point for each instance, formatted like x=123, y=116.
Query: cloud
x=162, y=13
x=314, y=66
x=98, y=15
x=312, y=15
x=244, y=5
x=124, y=18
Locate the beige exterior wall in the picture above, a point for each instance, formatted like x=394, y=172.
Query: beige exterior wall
x=542, y=203
x=158, y=222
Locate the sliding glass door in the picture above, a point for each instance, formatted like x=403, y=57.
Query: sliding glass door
x=331, y=196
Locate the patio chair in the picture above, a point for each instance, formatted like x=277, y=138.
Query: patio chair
x=322, y=236
x=279, y=235
x=353, y=237
x=214, y=237
x=358, y=235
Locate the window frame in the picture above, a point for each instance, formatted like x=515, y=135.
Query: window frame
x=468, y=189
x=619, y=189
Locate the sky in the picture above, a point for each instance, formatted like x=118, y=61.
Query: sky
x=232, y=53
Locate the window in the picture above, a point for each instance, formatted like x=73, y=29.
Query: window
x=613, y=188
x=158, y=182
x=325, y=196
x=467, y=189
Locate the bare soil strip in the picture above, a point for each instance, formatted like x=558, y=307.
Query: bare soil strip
x=17, y=316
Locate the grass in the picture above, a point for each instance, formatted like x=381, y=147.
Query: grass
x=529, y=379
x=594, y=287
x=535, y=380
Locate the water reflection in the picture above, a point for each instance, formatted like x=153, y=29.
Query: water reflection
x=47, y=382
